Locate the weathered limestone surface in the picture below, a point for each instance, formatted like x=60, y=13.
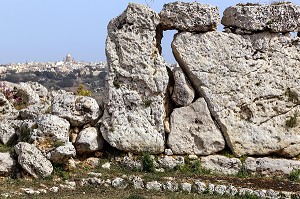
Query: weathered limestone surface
x=169, y=162
x=191, y=16
x=6, y=108
x=271, y=167
x=251, y=84
x=7, y=131
x=7, y=164
x=136, y=82
x=183, y=93
x=78, y=110
x=50, y=129
x=89, y=140
x=221, y=164
x=275, y=18
x=32, y=160
x=61, y=154
x=193, y=131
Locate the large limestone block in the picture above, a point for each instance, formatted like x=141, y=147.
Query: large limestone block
x=284, y=17
x=136, y=82
x=189, y=16
x=7, y=110
x=50, y=131
x=32, y=160
x=62, y=154
x=89, y=140
x=221, y=164
x=78, y=110
x=27, y=93
x=251, y=84
x=271, y=167
x=183, y=93
x=23, y=96
x=7, y=164
x=7, y=131
x=193, y=131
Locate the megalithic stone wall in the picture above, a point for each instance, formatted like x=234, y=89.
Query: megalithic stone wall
x=247, y=78
x=250, y=82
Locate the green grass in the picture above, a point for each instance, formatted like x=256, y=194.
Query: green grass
x=294, y=175
x=243, y=173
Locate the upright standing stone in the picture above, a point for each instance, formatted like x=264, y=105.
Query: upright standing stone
x=136, y=82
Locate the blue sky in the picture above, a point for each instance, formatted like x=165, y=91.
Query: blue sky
x=35, y=30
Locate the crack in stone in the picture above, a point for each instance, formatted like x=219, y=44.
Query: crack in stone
x=283, y=113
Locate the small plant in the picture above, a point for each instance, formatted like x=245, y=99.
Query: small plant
x=147, y=102
x=148, y=163
x=294, y=175
x=25, y=134
x=292, y=96
x=227, y=153
x=82, y=91
x=243, y=158
x=11, y=96
x=60, y=172
x=243, y=173
x=292, y=122
x=192, y=167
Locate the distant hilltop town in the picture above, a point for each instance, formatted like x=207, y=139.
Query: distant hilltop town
x=67, y=74
x=68, y=64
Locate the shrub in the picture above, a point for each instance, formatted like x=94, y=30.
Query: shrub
x=82, y=91
x=148, y=163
